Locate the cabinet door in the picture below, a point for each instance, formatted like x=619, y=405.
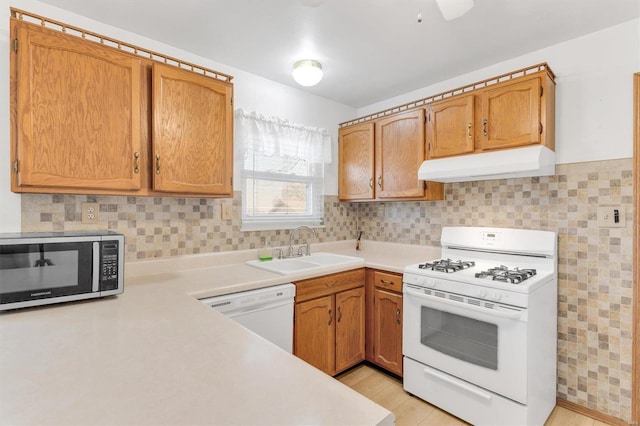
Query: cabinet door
x=400, y=150
x=349, y=328
x=511, y=115
x=356, y=161
x=192, y=132
x=77, y=121
x=314, y=333
x=450, y=127
x=388, y=330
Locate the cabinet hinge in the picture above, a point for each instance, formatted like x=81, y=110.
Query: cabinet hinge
x=540, y=128
x=15, y=45
x=15, y=166
x=541, y=91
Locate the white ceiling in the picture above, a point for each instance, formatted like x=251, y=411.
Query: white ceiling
x=370, y=49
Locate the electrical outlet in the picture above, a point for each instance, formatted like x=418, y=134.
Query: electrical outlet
x=90, y=212
x=227, y=211
x=611, y=217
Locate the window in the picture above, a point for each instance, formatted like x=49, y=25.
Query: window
x=280, y=167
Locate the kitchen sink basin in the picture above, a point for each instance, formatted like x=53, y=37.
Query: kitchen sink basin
x=306, y=263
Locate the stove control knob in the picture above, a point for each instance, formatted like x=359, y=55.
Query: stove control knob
x=421, y=281
x=432, y=283
x=482, y=293
x=496, y=296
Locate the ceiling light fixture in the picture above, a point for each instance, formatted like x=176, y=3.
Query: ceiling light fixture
x=307, y=72
x=452, y=9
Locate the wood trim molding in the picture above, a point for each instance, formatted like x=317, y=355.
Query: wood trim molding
x=635, y=366
x=604, y=418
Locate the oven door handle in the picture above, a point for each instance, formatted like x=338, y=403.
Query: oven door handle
x=508, y=315
x=456, y=383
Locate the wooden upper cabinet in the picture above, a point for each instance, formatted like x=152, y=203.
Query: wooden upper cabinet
x=89, y=118
x=192, y=132
x=75, y=113
x=350, y=324
x=400, y=150
x=356, y=162
x=511, y=115
x=450, y=127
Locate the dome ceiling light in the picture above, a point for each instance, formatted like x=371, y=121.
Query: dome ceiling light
x=452, y=9
x=307, y=72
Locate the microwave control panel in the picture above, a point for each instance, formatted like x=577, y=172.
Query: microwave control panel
x=108, y=265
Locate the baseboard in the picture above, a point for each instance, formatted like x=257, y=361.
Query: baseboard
x=605, y=418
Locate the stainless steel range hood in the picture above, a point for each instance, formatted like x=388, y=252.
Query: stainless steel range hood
x=509, y=163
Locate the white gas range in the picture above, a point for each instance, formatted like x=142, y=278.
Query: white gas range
x=479, y=329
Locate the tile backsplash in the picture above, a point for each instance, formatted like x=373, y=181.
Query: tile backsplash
x=595, y=264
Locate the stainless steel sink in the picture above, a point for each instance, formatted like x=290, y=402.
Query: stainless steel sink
x=305, y=263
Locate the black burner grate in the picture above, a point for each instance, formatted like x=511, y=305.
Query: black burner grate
x=504, y=274
x=447, y=265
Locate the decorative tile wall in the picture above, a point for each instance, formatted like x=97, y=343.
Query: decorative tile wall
x=595, y=264
x=161, y=227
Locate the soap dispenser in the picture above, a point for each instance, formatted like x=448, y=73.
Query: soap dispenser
x=265, y=253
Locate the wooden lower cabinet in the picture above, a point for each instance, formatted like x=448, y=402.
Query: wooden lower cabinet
x=384, y=319
x=329, y=329
x=387, y=342
x=315, y=333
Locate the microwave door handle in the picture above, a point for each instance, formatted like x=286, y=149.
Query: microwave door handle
x=439, y=300
x=96, y=267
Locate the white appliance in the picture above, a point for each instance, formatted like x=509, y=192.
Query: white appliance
x=268, y=312
x=480, y=326
x=503, y=164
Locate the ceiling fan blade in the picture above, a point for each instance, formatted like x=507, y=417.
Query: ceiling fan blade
x=452, y=9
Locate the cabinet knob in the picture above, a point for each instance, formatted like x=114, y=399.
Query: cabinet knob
x=380, y=181
x=484, y=127
x=469, y=134
x=398, y=315
x=371, y=183
x=157, y=164
x=330, y=317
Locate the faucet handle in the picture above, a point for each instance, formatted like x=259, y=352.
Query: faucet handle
x=279, y=250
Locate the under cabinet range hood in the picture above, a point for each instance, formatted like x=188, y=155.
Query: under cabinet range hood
x=509, y=163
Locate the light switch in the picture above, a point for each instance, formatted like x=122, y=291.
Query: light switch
x=227, y=211
x=611, y=217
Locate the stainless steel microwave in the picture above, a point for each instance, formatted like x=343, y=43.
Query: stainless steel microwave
x=43, y=268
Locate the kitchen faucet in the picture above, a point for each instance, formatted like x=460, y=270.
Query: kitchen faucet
x=291, y=240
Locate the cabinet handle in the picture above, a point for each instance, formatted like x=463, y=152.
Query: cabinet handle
x=371, y=183
x=484, y=127
x=469, y=131
x=157, y=164
x=386, y=282
x=330, y=317
x=398, y=315
x=380, y=181
x=339, y=313
x=136, y=162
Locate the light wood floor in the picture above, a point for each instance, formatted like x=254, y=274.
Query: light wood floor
x=409, y=410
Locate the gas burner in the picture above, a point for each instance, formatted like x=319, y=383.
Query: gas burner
x=447, y=265
x=504, y=274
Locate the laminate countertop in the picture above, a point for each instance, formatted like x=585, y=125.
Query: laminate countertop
x=157, y=355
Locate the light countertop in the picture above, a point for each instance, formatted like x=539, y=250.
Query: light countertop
x=156, y=355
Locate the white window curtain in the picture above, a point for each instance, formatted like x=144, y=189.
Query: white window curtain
x=280, y=171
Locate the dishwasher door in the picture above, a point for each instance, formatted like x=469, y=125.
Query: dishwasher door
x=268, y=312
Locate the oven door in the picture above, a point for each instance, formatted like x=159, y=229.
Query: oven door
x=33, y=271
x=461, y=337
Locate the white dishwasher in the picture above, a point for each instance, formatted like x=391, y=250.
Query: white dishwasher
x=267, y=312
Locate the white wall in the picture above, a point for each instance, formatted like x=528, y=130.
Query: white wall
x=594, y=91
x=252, y=93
